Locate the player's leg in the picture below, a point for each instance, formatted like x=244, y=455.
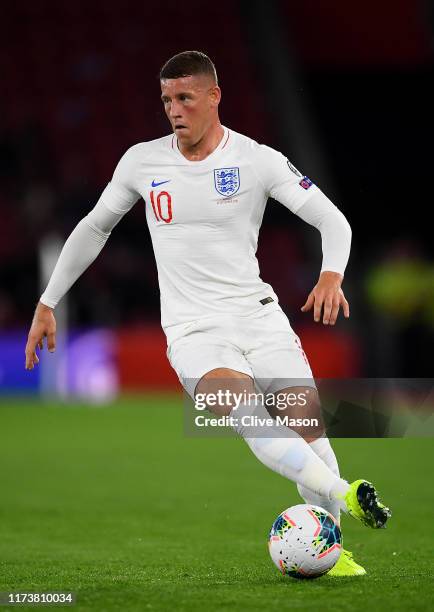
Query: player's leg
x=303, y=403
x=274, y=354
x=222, y=379
x=207, y=360
x=323, y=449
x=276, y=446
x=273, y=362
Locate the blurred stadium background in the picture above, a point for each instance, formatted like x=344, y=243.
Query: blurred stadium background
x=343, y=91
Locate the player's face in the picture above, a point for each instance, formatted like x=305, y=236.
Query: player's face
x=191, y=106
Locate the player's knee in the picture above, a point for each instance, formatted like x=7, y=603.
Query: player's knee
x=220, y=387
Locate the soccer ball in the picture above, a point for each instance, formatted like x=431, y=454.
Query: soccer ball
x=305, y=541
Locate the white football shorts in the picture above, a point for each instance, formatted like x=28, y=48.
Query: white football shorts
x=262, y=345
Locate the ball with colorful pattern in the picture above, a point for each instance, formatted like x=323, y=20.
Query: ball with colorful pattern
x=305, y=541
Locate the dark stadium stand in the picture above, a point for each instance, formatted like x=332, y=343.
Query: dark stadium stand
x=88, y=73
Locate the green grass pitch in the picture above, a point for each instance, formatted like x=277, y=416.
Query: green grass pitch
x=117, y=505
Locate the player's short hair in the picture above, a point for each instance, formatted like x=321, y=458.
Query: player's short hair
x=188, y=63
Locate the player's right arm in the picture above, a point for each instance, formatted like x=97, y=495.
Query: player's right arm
x=80, y=250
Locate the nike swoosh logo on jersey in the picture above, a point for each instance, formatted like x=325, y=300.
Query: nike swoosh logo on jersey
x=155, y=184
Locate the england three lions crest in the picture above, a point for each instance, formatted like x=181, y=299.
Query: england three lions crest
x=227, y=181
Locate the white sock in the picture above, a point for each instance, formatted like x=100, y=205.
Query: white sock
x=323, y=449
x=282, y=450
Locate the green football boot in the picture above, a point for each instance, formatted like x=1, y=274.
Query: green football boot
x=346, y=566
x=363, y=504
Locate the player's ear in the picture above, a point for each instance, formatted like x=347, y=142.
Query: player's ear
x=215, y=95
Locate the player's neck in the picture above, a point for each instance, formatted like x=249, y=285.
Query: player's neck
x=208, y=143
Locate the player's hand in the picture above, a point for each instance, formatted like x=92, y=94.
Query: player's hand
x=43, y=326
x=327, y=297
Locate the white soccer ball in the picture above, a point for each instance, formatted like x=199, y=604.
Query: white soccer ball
x=305, y=541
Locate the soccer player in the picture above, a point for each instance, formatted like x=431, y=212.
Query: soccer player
x=205, y=188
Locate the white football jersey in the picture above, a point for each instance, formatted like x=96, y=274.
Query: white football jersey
x=204, y=219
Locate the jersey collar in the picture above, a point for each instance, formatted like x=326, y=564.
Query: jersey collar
x=222, y=144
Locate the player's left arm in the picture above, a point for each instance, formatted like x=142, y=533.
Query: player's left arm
x=327, y=297
x=283, y=182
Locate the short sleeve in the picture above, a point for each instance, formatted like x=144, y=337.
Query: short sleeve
x=280, y=179
x=120, y=194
